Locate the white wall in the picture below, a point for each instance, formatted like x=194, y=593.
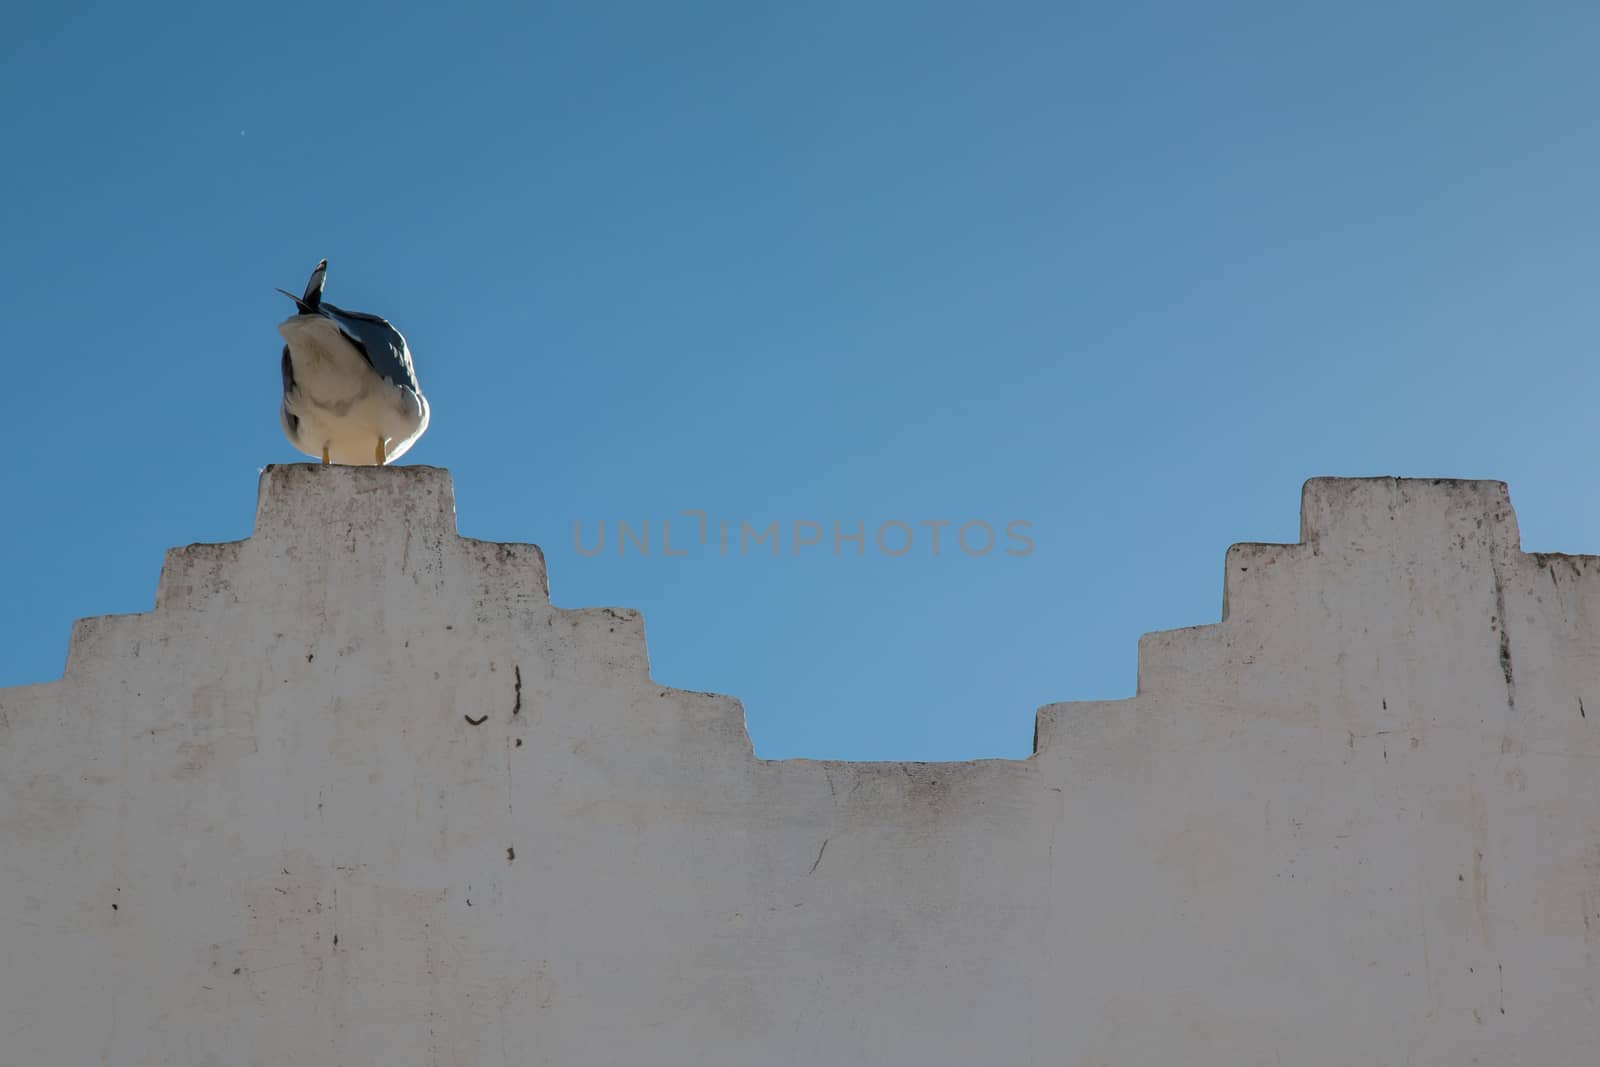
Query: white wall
x=1358, y=822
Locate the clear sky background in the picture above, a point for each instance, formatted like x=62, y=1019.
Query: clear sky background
x=1128, y=272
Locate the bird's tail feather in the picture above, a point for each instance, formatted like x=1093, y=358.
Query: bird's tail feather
x=313, y=295
x=305, y=308
x=312, y=300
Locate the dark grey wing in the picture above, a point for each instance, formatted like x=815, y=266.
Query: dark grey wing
x=379, y=342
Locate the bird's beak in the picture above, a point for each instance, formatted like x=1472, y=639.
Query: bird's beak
x=305, y=309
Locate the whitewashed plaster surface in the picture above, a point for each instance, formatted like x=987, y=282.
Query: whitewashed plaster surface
x=354, y=793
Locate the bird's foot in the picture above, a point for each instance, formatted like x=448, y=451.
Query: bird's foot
x=325, y=460
x=380, y=453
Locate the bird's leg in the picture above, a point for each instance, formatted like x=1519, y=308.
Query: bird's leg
x=380, y=452
x=324, y=455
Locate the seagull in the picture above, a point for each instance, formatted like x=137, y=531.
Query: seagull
x=350, y=393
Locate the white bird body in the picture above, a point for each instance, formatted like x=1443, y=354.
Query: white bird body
x=341, y=403
x=350, y=392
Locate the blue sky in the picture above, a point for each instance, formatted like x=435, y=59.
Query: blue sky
x=1127, y=272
